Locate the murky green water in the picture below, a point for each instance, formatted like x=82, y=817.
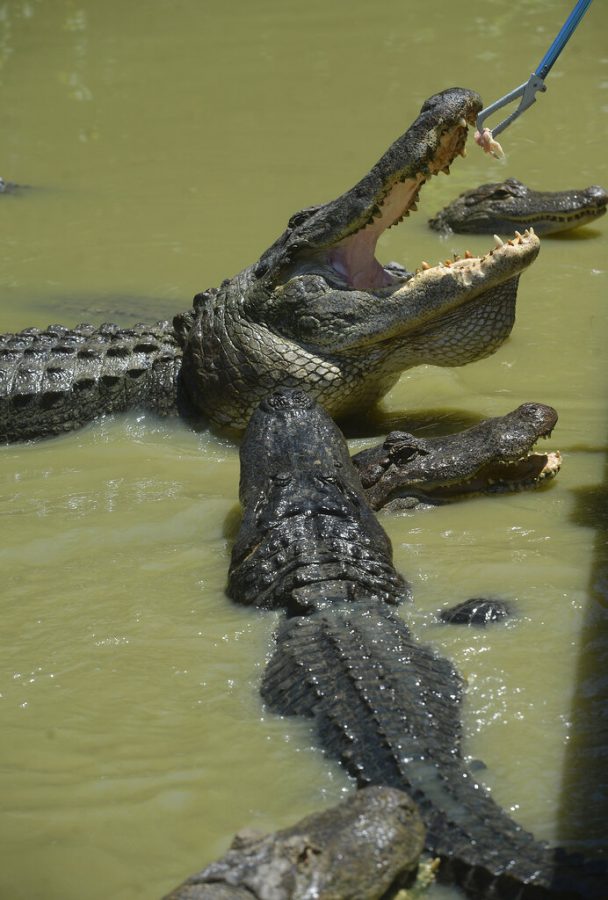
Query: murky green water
x=167, y=143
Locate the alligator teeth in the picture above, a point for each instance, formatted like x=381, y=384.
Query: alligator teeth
x=446, y=169
x=447, y=262
x=518, y=236
x=499, y=240
x=463, y=151
x=462, y=122
x=468, y=254
x=413, y=206
x=530, y=230
x=425, y=265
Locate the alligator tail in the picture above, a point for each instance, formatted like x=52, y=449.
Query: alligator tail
x=387, y=707
x=57, y=379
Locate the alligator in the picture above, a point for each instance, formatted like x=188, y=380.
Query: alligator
x=505, y=205
x=494, y=456
x=382, y=702
x=327, y=855
x=317, y=311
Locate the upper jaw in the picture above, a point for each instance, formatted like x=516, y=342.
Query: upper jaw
x=353, y=256
x=380, y=199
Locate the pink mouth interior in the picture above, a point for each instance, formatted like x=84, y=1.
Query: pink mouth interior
x=354, y=257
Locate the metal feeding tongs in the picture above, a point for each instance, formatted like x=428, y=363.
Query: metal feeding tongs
x=528, y=90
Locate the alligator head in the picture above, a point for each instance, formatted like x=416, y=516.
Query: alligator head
x=494, y=456
x=318, y=310
x=308, y=537
x=503, y=206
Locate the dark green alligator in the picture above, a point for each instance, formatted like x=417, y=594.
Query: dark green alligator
x=317, y=310
x=504, y=206
x=326, y=856
x=494, y=456
x=383, y=703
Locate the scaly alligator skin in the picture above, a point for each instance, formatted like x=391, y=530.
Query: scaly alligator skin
x=494, y=456
x=317, y=310
x=504, y=206
x=55, y=379
x=476, y=611
x=384, y=704
x=365, y=848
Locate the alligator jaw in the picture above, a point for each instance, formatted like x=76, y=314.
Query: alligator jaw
x=353, y=257
x=527, y=472
x=552, y=222
x=495, y=456
x=341, y=235
x=428, y=293
x=509, y=204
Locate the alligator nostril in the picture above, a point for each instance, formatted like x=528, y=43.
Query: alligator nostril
x=598, y=194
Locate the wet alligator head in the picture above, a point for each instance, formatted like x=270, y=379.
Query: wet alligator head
x=319, y=311
x=308, y=538
x=497, y=455
x=506, y=205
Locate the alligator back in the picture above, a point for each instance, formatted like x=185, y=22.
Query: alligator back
x=57, y=379
x=387, y=707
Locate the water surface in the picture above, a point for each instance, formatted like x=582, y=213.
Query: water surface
x=166, y=144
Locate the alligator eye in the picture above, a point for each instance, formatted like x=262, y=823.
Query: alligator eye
x=327, y=479
x=501, y=194
x=283, y=478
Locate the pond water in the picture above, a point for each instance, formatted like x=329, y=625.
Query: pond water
x=166, y=144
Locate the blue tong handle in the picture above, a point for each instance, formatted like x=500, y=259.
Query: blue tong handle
x=535, y=83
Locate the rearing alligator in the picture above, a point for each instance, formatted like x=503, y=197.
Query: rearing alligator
x=317, y=311
x=383, y=703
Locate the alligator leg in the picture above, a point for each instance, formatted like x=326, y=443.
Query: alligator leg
x=59, y=379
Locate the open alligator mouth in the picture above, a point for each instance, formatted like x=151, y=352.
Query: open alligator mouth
x=353, y=257
x=524, y=473
x=338, y=239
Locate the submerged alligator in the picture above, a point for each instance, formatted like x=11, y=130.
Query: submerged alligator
x=505, y=205
x=383, y=703
x=316, y=311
